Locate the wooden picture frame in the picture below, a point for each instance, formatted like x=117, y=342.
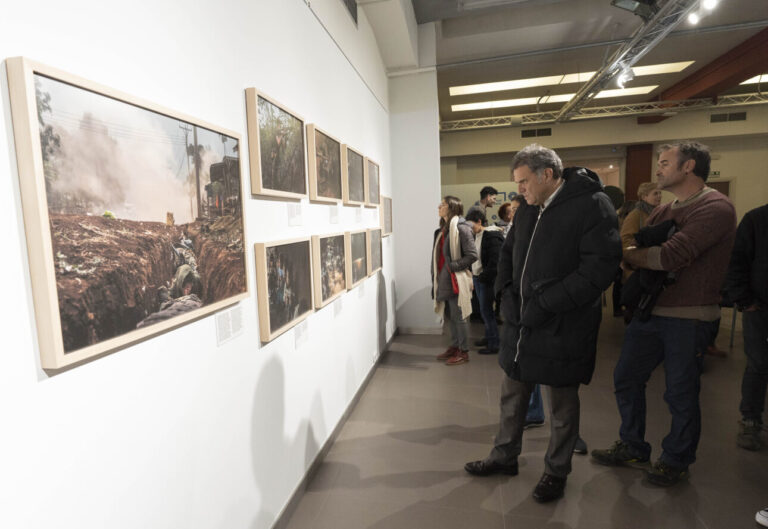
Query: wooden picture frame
x=283, y=285
x=276, y=148
x=373, y=250
x=352, y=176
x=323, y=166
x=120, y=248
x=385, y=216
x=328, y=262
x=356, y=249
x=372, y=183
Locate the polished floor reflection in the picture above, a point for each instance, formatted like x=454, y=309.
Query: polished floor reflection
x=398, y=460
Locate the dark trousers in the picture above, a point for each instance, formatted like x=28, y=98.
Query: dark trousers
x=564, y=426
x=485, y=300
x=755, y=381
x=680, y=344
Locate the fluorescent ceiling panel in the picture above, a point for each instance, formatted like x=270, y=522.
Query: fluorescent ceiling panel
x=560, y=98
x=757, y=79
x=482, y=88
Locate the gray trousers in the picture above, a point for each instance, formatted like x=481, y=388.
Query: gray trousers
x=459, y=328
x=564, y=429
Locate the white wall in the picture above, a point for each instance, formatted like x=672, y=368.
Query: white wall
x=416, y=184
x=177, y=431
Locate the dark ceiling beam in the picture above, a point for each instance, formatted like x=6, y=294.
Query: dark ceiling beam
x=748, y=59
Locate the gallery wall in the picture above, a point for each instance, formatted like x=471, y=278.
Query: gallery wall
x=185, y=429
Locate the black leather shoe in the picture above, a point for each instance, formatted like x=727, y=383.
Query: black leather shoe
x=482, y=342
x=549, y=488
x=488, y=351
x=485, y=467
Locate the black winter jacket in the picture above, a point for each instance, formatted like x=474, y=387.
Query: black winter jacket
x=747, y=279
x=553, y=269
x=489, y=255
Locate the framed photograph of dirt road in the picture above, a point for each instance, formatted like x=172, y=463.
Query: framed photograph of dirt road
x=283, y=285
x=133, y=213
x=275, y=148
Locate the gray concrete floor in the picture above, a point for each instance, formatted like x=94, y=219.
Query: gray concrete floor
x=398, y=460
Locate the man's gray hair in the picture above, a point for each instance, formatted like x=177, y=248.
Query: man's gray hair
x=538, y=158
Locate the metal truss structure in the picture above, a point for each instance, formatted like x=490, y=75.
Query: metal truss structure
x=642, y=41
x=658, y=108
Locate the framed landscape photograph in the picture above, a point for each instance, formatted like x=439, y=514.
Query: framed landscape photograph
x=357, y=257
x=353, y=177
x=275, y=147
x=324, y=166
x=372, y=183
x=385, y=216
x=133, y=213
x=373, y=241
x=283, y=284
x=329, y=267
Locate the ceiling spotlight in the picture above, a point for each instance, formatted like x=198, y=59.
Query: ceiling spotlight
x=625, y=76
x=645, y=9
x=709, y=4
x=693, y=18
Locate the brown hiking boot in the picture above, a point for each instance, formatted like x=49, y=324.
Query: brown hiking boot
x=461, y=357
x=448, y=353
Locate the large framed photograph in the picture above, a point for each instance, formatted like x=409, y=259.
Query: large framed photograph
x=324, y=166
x=133, y=213
x=329, y=266
x=372, y=183
x=353, y=177
x=283, y=284
x=373, y=241
x=357, y=257
x=385, y=216
x=275, y=147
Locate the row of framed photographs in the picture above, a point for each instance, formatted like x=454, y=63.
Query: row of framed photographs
x=337, y=172
x=298, y=276
x=133, y=213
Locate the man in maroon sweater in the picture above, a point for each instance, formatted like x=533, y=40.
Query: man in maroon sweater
x=683, y=321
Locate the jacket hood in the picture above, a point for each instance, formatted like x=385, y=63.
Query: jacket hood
x=577, y=181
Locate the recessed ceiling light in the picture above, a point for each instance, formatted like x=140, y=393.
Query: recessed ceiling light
x=482, y=88
x=757, y=79
x=709, y=4
x=560, y=98
x=693, y=18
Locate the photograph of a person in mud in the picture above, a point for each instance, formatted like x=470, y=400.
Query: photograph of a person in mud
x=145, y=213
x=373, y=183
x=375, y=236
x=332, y=266
x=289, y=282
x=358, y=256
x=355, y=176
x=281, y=147
x=328, y=163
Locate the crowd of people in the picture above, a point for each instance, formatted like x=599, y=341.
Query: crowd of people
x=558, y=245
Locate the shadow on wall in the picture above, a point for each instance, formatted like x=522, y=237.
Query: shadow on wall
x=274, y=454
x=417, y=314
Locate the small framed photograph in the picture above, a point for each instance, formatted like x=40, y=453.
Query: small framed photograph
x=353, y=177
x=357, y=257
x=276, y=148
x=324, y=166
x=372, y=183
x=128, y=235
x=373, y=242
x=329, y=267
x=385, y=216
x=283, y=284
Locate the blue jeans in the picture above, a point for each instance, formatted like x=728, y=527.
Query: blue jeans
x=485, y=300
x=680, y=344
x=535, y=406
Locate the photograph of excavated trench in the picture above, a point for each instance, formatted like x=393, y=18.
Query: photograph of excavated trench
x=145, y=213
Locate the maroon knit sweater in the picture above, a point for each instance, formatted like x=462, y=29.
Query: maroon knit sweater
x=698, y=253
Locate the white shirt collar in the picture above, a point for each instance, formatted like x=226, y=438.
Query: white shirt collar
x=548, y=201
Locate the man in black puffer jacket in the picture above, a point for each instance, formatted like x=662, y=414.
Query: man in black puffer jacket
x=555, y=263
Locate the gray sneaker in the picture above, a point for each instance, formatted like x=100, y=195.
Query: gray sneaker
x=749, y=435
